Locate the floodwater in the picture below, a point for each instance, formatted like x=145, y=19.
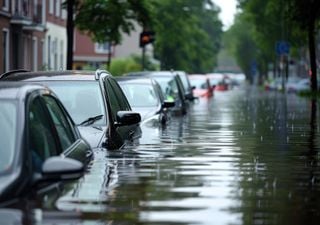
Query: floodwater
x=243, y=157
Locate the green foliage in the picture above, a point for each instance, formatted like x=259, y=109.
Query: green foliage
x=188, y=34
x=272, y=21
x=121, y=66
x=106, y=20
x=131, y=64
x=238, y=40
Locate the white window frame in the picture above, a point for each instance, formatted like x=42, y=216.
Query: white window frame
x=51, y=6
x=6, y=56
x=5, y=5
x=49, y=47
x=58, y=8
x=99, y=48
x=43, y=46
x=35, y=54
x=61, y=54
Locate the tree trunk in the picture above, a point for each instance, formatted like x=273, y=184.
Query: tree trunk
x=70, y=33
x=312, y=52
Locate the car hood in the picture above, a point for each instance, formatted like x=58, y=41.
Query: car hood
x=145, y=112
x=93, y=135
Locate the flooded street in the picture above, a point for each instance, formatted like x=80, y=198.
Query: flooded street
x=243, y=157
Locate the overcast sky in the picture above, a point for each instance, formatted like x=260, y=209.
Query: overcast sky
x=228, y=10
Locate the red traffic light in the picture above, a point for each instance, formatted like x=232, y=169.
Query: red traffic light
x=146, y=37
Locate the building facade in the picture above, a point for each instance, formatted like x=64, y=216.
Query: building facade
x=33, y=37
x=56, y=36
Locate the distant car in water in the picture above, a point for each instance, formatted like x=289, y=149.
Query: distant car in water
x=96, y=103
x=145, y=97
x=40, y=145
x=219, y=82
x=295, y=86
x=202, y=87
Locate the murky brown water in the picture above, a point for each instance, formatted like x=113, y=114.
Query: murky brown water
x=243, y=157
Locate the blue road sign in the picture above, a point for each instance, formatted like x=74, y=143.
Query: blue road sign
x=282, y=47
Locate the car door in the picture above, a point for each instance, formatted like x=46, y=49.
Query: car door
x=71, y=143
x=118, y=102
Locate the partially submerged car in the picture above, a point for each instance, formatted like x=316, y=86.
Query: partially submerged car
x=202, y=87
x=145, y=97
x=172, y=88
x=39, y=143
x=95, y=101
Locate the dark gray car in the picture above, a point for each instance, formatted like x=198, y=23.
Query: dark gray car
x=39, y=143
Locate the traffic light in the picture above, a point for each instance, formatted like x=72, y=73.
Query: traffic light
x=146, y=37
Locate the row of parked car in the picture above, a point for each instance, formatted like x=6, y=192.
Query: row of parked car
x=52, y=122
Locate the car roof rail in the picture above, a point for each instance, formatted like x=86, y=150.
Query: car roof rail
x=6, y=74
x=99, y=72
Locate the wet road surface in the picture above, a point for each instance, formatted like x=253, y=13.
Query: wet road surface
x=243, y=157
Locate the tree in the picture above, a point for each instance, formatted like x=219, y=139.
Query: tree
x=188, y=34
x=107, y=20
x=306, y=13
x=238, y=40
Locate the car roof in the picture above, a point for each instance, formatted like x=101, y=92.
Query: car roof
x=135, y=80
x=15, y=90
x=198, y=76
x=67, y=75
x=162, y=73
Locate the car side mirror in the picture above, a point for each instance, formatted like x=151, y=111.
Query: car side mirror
x=127, y=118
x=193, y=87
x=58, y=168
x=168, y=104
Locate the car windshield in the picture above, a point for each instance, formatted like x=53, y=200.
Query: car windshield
x=140, y=95
x=82, y=99
x=168, y=86
x=8, y=122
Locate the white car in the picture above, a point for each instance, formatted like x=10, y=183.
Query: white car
x=301, y=85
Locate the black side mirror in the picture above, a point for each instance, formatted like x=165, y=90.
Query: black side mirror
x=127, y=118
x=168, y=104
x=193, y=87
x=58, y=168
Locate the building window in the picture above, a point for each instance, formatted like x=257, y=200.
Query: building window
x=61, y=55
x=55, y=53
x=35, y=54
x=5, y=5
x=49, y=52
x=102, y=48
x=43, y=56
x=64, y=14
x=58, y=4
x=51, y=6
x=5, y=49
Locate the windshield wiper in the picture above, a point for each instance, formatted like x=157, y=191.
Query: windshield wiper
x=91, y=120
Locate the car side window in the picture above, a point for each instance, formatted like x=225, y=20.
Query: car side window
x=122, y=99
x=117, y=99
x=42, y=142
x=61, y=121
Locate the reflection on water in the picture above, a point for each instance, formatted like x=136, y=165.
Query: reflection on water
x=243, y=157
